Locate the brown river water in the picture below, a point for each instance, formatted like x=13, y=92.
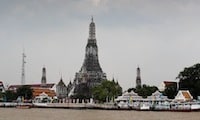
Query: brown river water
x=69, y=114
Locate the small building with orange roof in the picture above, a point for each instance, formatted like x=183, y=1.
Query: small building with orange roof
x=38, y=91
x=183, y=95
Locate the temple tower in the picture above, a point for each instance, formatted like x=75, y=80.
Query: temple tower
x=23, y=69
x=91, y=62
x=43, y=80
x=61, y=89
x=138, y=78
x=90, y=73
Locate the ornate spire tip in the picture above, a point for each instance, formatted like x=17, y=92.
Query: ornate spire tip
x=92, y=18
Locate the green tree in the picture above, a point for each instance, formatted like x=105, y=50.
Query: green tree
x=1, y=96
x=144, y=90
x=25, y=91
x=107, y=90
x=189, y=79
x=171, y=91
x=10, y=96
x=131, y=89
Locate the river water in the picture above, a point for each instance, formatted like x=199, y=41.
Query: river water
x=69, y=114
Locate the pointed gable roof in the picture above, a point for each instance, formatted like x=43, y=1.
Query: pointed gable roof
x=156, y=93
x=183, y=95
x=132, y=93
x=61, y=83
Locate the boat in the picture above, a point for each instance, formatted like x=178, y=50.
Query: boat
x=183, y=107
x=23, y=105
x=144, y=107
x=40, y=104
x=160, y=107
x=122, y=105
x=195, y=106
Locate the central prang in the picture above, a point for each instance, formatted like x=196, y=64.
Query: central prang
x=90, y=73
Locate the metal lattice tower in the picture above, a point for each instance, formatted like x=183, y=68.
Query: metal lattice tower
x=23, y=68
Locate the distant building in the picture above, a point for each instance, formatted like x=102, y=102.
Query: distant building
x=157, y=96
x=127, y=96
x=44, y=98
x=61, y=89
x=42, y=87
x=15, y=87
x=183, y=95
x=166, y=84
x=2, y=88
x=38, y=91
x=138, y=78
x=90, y=73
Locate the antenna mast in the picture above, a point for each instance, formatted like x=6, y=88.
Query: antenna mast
x=23, y=68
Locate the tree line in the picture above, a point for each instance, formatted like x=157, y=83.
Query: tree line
x=24, y=92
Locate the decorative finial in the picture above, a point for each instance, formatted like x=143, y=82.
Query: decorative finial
x=92, y=18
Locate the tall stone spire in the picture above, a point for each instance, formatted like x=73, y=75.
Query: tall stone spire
x=43, y=80
x=23, y=68
x=138, y=78
x=92, y=30
x=91, y=62
x=90, y=73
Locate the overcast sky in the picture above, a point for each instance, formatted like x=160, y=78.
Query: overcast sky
x=161, y=36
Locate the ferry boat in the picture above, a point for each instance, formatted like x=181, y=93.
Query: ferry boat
x=195, y=106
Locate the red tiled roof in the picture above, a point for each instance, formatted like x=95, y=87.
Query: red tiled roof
x=168, y=83
x=48, y=85
x=186, y=95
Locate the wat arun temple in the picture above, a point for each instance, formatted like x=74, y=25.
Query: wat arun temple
x=91, y=73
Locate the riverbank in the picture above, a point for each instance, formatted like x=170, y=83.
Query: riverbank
x=92, y=106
